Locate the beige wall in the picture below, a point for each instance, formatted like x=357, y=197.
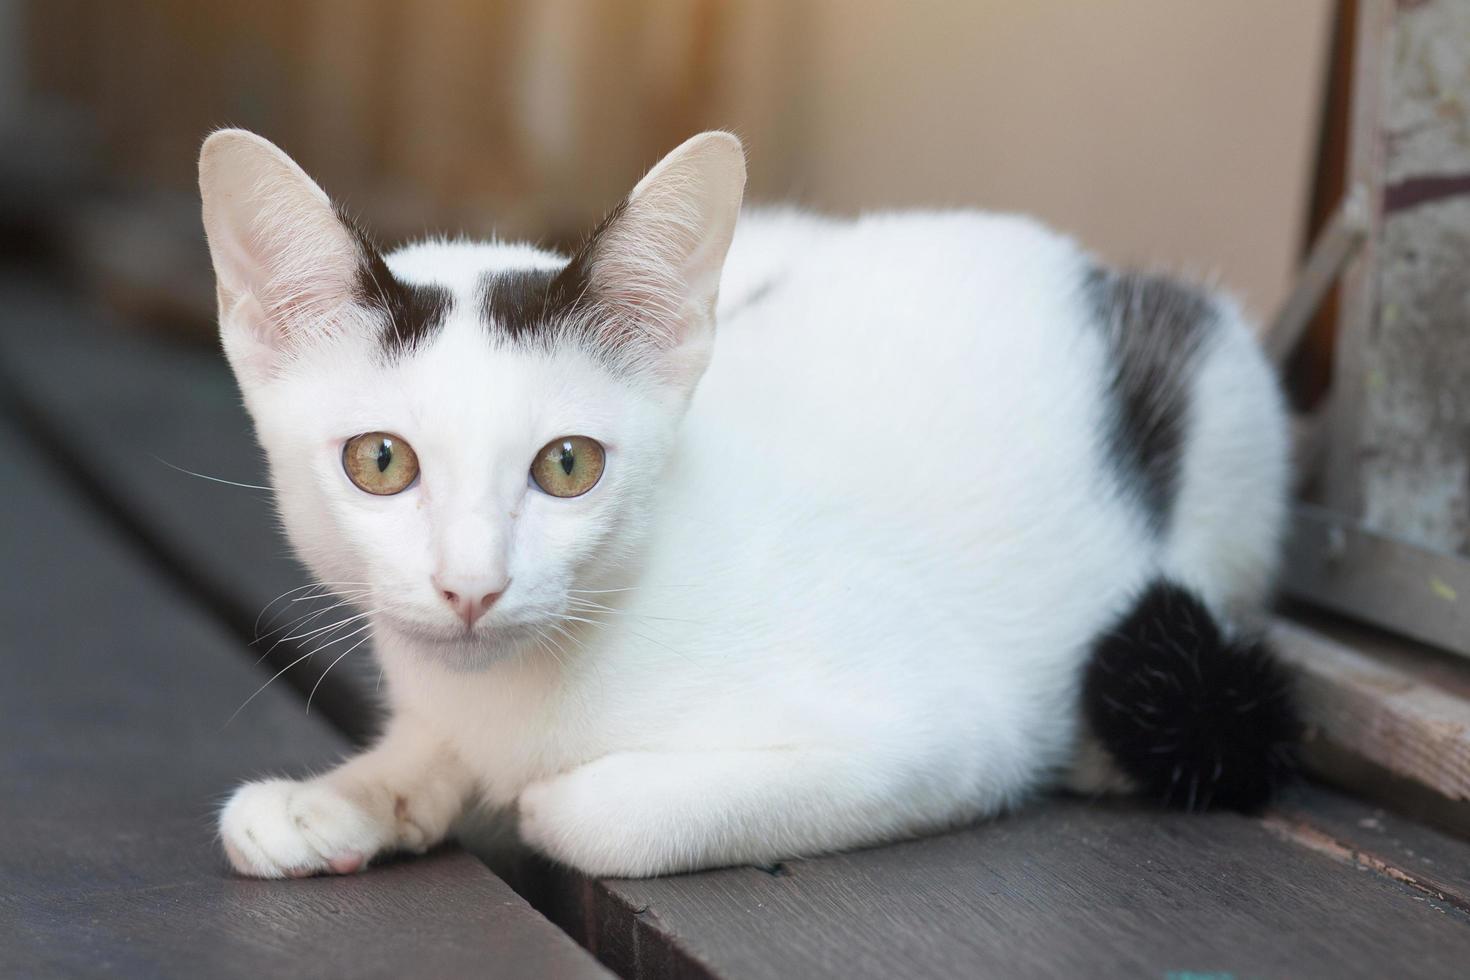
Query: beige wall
x=1179, y=132
x=1170, y=131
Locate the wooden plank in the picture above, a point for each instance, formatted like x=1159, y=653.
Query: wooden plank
x=1069, y=888
x=1419, y=592
x=113, y=754
x=121, y=410
x=1377, y=840
x=1381, y=712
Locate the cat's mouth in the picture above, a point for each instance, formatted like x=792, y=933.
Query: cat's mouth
x=492, y=634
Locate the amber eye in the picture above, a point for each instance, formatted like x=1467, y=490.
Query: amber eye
x=380, y=463
x=568, y=466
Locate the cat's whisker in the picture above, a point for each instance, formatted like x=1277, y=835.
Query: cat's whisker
x=264, y=686
x=306, y=617
x=271, y=605
x=338, y=639
x=315, y=650
x=214, y=479
x=334, y=663
x=564, y=634
x=301, y=620
x=267, y=607
x=581, y=619
x=587, y=606
x=300, y=588
x=629, y=588
x=323, y=629
x=542, y=640
x=648, y=639
x=328, y=595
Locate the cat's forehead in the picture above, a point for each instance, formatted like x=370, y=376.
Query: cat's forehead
x=506, y=295
x=450, y=349
x=464, y=267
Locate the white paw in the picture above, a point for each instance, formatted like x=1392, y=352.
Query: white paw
x=586, y=819
x=284, y=829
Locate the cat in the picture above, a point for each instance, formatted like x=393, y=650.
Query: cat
x=943, y=514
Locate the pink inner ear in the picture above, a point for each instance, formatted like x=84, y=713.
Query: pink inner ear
x=639, y=277
x=303, y=273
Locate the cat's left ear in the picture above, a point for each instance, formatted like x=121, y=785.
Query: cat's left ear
x=654, y=266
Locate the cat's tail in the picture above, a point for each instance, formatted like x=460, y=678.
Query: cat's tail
x=1195, y=718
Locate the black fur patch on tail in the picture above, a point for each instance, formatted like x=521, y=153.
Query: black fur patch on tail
x=1196, y=720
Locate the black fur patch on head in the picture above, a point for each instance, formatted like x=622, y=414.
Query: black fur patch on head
x=524, y=304
x=1196, y=720
x=1155, y=328
x=412, y=313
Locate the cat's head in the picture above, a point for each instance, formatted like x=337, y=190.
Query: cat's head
x=466, y=432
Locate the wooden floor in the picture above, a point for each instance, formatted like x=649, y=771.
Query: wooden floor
x=131, y=596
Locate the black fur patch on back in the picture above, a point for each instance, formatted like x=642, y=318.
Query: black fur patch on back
x=1196, y=720
x=1155, y=328
x=412, y=313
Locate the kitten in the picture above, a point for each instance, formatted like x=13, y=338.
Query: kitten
x=942, y=514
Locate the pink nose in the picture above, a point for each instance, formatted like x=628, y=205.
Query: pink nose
x=469, y=604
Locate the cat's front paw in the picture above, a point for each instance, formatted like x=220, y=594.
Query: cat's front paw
x=280, y=828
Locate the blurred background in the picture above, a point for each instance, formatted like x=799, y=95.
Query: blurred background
x=1189, y=135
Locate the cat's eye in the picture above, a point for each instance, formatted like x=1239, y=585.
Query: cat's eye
x=380, y=463
x=569, y=466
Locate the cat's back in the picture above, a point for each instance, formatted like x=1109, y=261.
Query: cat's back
x=970, y=409
x=912, y=398
x=893, y=335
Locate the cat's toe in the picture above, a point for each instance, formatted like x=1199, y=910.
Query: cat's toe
x=285, y=829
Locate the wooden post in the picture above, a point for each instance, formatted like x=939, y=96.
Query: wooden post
x=1399, y=458
x=1392, y=545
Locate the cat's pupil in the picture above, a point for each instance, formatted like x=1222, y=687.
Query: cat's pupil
x=385, y=455
x=568, y=459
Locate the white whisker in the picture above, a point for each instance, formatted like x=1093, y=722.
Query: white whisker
x=213, y=479
x=318, y=595
x=338, y=639
x=306, y=617
x=323, y=629
x=266, y=685
x=329, y=595
x=329, y=670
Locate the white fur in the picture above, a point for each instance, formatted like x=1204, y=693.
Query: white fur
x=844, y=599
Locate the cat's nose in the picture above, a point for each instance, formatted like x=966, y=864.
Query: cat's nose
x=469, y=600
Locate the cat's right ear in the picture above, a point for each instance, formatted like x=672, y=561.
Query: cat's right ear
x=286, y=266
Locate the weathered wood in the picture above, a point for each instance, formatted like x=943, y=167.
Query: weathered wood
x=1067, y=888
x=114, y=752
x=121, y=411
x=1332, y=250
x=1414, y=590
x=1401, y=457
x=1308, y=448
x=1358, y=295
x=1377, y=840
x=1381, y=712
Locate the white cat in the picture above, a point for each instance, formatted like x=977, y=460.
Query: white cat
x=938, y=498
